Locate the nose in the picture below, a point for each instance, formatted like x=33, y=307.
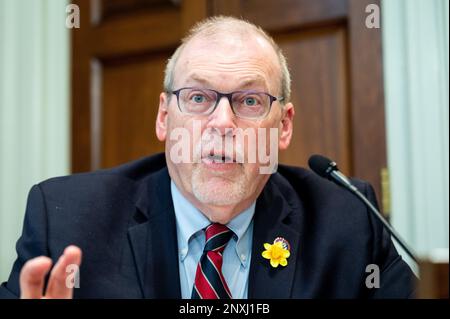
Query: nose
x=223, y=117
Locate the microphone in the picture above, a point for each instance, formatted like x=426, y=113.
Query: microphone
x=326, y=168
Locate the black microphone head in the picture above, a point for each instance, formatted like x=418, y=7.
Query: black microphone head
x=321, y=165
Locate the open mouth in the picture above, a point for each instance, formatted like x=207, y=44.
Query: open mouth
x=217, y=158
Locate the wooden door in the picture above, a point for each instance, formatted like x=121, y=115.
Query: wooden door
x=120, y=51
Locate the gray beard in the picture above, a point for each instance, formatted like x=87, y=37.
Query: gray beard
x=231, y=193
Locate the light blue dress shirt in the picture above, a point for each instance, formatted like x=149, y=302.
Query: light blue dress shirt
x=191, y=241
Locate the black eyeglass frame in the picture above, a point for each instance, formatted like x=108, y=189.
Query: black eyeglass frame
x=229, y=97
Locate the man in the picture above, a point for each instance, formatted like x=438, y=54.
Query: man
x=214, y=225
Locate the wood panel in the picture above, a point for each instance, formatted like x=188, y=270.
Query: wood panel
x=119, y=55
x=276, y=15
x=81, y=155
x=319, y=93
x=136, y=33
x=129, y=114
x=366, y=96
x=111, y=8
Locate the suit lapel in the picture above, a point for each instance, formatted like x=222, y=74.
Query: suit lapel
x=274, y=217
x=153, y=238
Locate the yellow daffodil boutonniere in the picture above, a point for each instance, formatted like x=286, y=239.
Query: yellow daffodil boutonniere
x=277, y=253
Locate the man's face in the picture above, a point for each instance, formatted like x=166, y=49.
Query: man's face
x=230, y=64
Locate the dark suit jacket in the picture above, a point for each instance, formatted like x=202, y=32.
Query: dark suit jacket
x=123, y=220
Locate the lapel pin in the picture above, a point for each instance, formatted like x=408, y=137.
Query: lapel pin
x=278, y=252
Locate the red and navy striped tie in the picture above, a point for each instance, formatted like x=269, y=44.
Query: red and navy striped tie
x=209, y=281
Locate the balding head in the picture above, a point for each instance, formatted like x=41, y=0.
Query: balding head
x=213, y=30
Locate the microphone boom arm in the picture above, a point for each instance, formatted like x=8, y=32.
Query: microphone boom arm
x=326, y=168
x=380, y=217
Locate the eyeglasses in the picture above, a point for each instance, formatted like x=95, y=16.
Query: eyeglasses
x=245, y=104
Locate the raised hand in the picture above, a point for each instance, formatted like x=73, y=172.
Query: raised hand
x=33, y=274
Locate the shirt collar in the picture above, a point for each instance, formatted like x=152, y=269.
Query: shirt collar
x=189, y=219
x=193, y=221
x=240, y=225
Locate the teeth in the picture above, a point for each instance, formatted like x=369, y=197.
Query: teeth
x=219, y=158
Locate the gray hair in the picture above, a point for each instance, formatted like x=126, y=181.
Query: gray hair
x=211, y=27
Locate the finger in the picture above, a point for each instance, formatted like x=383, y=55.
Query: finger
x=58, y=287
x=32, y=277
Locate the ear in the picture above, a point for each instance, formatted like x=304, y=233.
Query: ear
x=161, y=117
x=286, y=126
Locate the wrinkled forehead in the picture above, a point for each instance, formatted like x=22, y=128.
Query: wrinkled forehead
x=238, y=57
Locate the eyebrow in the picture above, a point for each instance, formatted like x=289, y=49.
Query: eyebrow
x=246, y=83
